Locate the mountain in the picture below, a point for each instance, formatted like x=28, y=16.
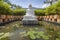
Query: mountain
x=34, y=8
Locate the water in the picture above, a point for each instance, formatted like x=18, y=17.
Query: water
x=16, y=28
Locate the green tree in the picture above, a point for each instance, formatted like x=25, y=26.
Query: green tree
x=54, y=9
x=4, y=8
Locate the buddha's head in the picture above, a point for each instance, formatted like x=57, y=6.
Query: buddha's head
x=30, y=6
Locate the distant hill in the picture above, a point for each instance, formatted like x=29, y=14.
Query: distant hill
x=34, y=8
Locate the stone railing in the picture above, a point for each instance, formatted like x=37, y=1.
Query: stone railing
x=52, y=18
x=8, y=18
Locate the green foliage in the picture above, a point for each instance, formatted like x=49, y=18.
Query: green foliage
x=52, y=33
x=37, y=35
x=7, y=10
x=1, y=0
x=5, y=38
x=50, y=11
x=4, y=8
x=57, y=39
x=16, y=6
x=19, y=12
x=53, y=9
x=40, y=12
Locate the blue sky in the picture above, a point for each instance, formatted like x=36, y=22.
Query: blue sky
x=25, y=3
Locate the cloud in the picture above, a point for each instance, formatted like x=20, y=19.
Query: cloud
x=45, y=5
x=25, y=3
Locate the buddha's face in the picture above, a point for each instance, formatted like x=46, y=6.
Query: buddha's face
x=30, y=6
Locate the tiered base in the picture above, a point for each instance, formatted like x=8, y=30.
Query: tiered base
x=29, y=22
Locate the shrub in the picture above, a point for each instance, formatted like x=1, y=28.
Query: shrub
x=39, y=12
x=19, y=12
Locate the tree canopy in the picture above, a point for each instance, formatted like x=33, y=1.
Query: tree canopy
x=53, y=9
x=7, y=8
x=4, y=8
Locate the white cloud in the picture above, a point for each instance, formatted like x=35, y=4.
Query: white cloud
x=45, y=5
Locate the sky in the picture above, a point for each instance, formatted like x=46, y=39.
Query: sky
x=25, y=3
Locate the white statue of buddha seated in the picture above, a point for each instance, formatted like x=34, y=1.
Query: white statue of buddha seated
x=30, y=17
x=30, y=11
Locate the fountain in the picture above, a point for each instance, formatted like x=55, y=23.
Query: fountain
x=30, y=17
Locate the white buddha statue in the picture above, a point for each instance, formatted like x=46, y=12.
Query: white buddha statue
x=29, y=17
x=30, y=11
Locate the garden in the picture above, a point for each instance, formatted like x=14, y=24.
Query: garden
x=11, y=28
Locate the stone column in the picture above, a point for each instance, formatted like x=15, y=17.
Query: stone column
x=8, y=18
x=51, y=17
x=3, y=17
x=48, y=18
x=1, y=20
x=44, y=17
x=58, y=20
x=53, y=20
